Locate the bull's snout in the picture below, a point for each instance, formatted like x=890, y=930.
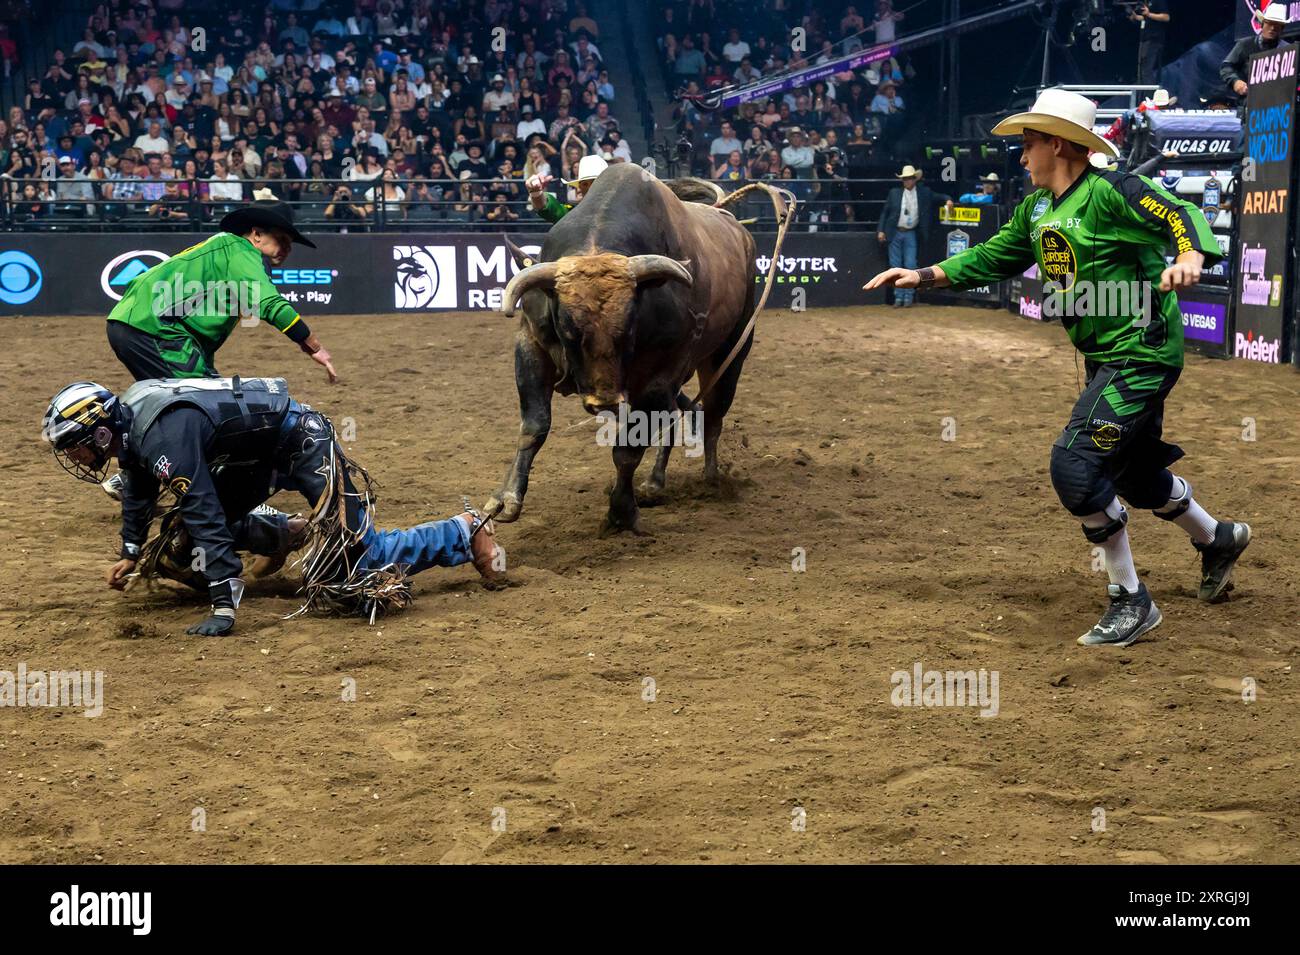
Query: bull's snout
x=595, y=404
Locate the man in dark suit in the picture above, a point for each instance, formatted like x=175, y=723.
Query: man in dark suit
x=906, y=221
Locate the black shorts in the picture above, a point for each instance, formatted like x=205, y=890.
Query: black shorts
x=1118, y=423
x=148, y=357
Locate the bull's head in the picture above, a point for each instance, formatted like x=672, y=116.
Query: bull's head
x=592, y=298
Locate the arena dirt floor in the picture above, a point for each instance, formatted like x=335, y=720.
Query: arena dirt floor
x=526, y=710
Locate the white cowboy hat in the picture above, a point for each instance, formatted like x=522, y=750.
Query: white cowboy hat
x=589, y=167
x=991, y=177
x=1061, y=113
x=1162, y=98
x=1099, y=161
x=1276, y=13
x=909, y=172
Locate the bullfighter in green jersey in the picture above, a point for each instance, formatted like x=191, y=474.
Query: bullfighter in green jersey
x=1099, y=240
x=175, y=316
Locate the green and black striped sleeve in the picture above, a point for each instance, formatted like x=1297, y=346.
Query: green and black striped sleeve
x=1137, y=201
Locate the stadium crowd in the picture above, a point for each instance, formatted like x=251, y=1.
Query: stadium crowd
x=172, y=112
x=816, y=137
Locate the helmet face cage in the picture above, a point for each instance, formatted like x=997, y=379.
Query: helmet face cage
x=82, y=415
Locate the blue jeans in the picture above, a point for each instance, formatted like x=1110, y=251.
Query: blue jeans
x=902, y=255
x=432, y=544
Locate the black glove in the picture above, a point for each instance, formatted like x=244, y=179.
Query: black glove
x=212, y=626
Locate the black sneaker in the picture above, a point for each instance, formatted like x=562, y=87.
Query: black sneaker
x=1130, y=615
x=1218, y=559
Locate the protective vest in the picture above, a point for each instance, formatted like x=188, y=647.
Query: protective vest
x=246, y=413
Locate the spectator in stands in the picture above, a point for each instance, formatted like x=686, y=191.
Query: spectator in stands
x=724, y=144
x=886, y=21
x=122, y=190
x=343, y=209
x=731, y=168
x=386, y=200
x=797, y=154
x=529, y=123
x=689, y=62
x=34, y=202
x=73, y=193
x=987, y=194
x=600, y=123
x=616, y=146
x=153, y=141
x=225, y=189
x=746, y=73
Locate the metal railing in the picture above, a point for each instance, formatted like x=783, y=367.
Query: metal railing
x=61, y=204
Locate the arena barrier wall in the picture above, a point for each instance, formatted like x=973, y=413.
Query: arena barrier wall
x=1263, y=304
x=83, y=274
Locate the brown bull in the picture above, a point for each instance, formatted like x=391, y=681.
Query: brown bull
x=636, y=291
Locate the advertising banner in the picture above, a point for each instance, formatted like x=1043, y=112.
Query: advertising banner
x=1262, y=297
x=383, y=273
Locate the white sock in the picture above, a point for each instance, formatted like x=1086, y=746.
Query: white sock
x=1199, y=524
x=1119, y=558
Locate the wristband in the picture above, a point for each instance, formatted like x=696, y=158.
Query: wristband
x=928, y=278
x=129, y=551
x=308, y=349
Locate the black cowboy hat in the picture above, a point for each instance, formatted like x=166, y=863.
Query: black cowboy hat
x=265, y=215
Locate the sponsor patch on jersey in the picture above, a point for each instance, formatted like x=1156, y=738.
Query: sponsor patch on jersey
x=1060, y=264
x=179, y=486
x=1040, y=208
x=162, y=468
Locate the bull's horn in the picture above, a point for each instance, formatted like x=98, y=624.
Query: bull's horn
x=535, y=276
x=647, y=268
x=522, y=258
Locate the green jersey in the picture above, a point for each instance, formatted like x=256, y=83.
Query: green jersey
x=199, y=294
x=1100, y=248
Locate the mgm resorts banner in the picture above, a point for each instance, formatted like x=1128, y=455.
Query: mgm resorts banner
x=361, y=274
x=1261, y=301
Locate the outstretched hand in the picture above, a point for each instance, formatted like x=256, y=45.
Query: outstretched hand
x=899, y=278
x=321, y=357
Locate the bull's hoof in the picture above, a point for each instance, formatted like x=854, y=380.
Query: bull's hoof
x=613, y=526
x=503, y=507
x=650, y=493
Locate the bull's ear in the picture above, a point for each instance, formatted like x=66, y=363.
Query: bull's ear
x=522, y=258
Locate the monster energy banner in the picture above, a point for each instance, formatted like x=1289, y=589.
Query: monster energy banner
x=1262, y=279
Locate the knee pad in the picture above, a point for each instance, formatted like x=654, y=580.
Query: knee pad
x=1099, y=535
x=1079, y=482
x=1177, y=507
